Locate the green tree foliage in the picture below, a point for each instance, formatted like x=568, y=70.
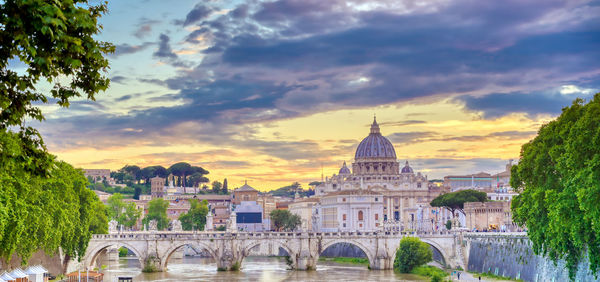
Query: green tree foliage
x=285, y=220
x=456, y=200
x=44, y=212
x=55, y=40
x=290, y=190
x=449, y=224
x=126, y=213
x=559, y=179
x=195, y=217
x=412, y=253
x=216, y=187
x=157, y=210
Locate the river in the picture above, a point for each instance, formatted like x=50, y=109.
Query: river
x=253, y=269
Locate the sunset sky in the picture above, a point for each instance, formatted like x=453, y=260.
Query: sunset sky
x=270, y=91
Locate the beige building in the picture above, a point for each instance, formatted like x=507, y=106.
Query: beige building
x=489, y=216
x=376, y=168
x=268, y=204
x=97, y=174
x=304, y=209
x=244, y=194
x=351, y=210
x=157, y=187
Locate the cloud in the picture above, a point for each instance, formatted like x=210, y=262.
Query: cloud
x=533, y=103
x=144, y=27
x=164, y=48
x=124, y=49
x=199, y=12
x=118, y=79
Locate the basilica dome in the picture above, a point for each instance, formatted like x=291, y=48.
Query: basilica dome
x=375, y=145
x=344, y=169
x=407, y=168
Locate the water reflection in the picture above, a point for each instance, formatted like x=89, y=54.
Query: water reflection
x=253, y=269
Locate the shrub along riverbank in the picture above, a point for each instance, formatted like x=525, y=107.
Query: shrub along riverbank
x=359, y=261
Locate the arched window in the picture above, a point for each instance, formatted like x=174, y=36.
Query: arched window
x=360, y=215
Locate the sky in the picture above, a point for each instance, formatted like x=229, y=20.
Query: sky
x=274, y=92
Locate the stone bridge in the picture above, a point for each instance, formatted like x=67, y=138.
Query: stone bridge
x=228, y=249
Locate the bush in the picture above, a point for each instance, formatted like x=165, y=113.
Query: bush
x=436, y=278
x=429, y=271
x=411, y=253
x=449, y=224
x=123, y=252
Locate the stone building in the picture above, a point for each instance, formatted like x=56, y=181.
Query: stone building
x=349, y=210
x=376, y=168
x=244, y=193
x=157, y=187
x=304, y=209
x=97, y=174
x=489, y=216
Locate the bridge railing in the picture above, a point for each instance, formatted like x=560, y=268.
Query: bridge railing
x=267, y=234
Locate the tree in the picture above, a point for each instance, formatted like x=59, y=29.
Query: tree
x=225, y=187
x=558, y=176
x=411, y=253
x=44, y=212
x=126, y=213
x=55, y=41
x=134, y=171
x=456, y=200
x=181, y=169
x=137, y=191
x=196, y=179
x=195, y=217
x=157, y=210
x=216, y=187
x=285, y=220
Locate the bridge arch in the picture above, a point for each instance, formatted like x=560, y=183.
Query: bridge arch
x=252, y=244
x=328, y=243
x=92, y=254
x=431, y=243
x=177, y=245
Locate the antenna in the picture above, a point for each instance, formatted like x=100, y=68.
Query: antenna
x=321, y=172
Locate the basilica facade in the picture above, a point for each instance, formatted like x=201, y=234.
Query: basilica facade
x=376, y=169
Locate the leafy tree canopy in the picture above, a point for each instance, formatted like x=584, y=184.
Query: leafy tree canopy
x=195, y=217
x=456, y=200
x=54, y=40
x=285, y=220
x=412, y=253
x=157, y=210
x=290, y=191
x=559, y=179
x=44, y=212
x=126, y=213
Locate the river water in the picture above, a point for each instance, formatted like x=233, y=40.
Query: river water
x=253, y=269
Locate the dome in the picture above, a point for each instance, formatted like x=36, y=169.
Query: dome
x=407, y=168
x=375, y=145
x=344, y=169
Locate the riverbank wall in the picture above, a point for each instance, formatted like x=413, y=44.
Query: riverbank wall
x=511, y=255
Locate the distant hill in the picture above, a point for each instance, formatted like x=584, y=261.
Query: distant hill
x=290, y=191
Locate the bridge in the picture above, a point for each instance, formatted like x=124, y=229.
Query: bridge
x=228, y=249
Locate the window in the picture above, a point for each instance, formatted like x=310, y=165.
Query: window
x=385, y=217
x=343, y=199
x=344, y=217
x=360, y=215
x=376, y=199
x=396, y=215
x=376, y=216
